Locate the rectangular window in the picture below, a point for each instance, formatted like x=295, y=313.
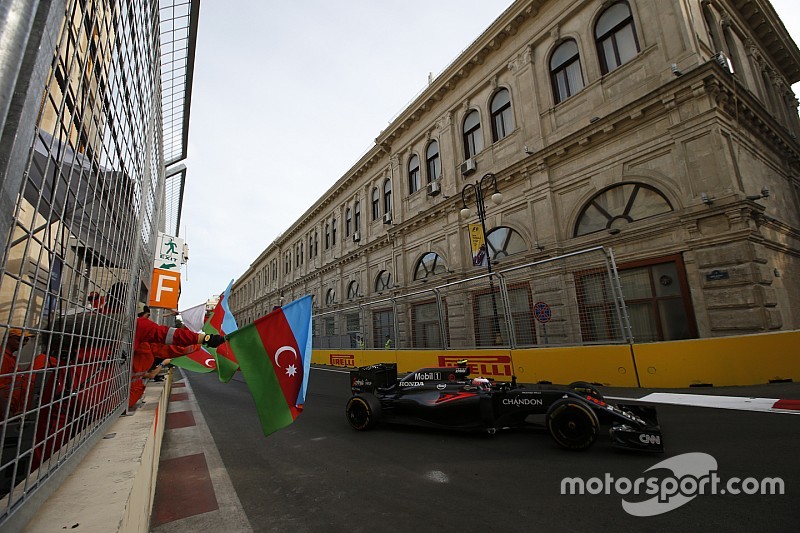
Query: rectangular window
x=425, y=325
x=522, y=316
x=490, y=329
x=382, y=328
x=354, y=329
x=656, y=296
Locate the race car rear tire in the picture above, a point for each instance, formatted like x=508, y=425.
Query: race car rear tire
x=572, y=424
x=363, y=411
x=583, y=387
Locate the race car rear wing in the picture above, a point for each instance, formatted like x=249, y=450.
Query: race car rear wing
x=370, y=378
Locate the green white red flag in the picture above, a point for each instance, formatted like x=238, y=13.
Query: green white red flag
x=274, y=354
x=221, y=359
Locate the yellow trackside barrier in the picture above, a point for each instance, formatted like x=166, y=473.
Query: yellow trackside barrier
x=352, y=358
x=495, y=364
x=742, y=360
x=610, y=365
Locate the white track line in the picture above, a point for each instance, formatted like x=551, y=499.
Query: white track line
x=739, y=403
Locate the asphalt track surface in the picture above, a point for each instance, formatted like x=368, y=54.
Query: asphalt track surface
x=320, y=475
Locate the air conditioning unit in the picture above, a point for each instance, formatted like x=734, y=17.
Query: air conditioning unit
x=724, y=61
x=356, y=236
x=387, y=218
x=434, y=188
x=468, y=167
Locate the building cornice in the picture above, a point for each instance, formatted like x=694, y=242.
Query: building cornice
x=762, y=19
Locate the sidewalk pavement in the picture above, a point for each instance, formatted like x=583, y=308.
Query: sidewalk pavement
x=193, y=489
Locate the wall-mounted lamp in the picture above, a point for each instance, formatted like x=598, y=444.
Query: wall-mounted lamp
x=538, y=246
x=708, y=200
x=528, y=150
x=675, y=70
x=777, y=273
x=764, y=194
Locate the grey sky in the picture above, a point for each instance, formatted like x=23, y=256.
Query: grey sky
x=289, y=95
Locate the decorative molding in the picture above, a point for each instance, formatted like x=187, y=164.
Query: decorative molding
x=555, y=32
x=725, y=19
x=527, y=54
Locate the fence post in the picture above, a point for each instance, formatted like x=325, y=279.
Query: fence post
x=395, y=325
x=440, y=310
x=619, y=298
x=512, y=334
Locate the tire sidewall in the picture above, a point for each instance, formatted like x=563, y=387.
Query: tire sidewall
x=369, y=405
x=586, y=416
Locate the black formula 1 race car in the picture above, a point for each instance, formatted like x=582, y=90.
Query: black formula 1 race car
x=447, y=398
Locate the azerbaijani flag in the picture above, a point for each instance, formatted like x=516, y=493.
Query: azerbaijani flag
x=197, y=361
x=274, y=354
x=222, y=322
x=207, y=359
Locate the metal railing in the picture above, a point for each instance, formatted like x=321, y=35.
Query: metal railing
x=84, y=170
x=572, y=299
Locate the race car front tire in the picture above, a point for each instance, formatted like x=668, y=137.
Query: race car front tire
x=572, y=424
x=363, y=411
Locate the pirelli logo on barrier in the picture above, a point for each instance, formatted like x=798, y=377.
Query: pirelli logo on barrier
x=481, y=365
x=340, y=359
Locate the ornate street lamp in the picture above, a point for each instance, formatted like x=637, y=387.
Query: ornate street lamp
x=488, y=181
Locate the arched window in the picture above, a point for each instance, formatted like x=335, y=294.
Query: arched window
x=430, y=264
x=383, y=281
x=732, y=48
x=387, y=196
x=432, y=162
x=713, y=29
x=504, y=241
x=617, y=42
x=330, y=297
x=618, y=206
x=352, y=290
x=358, y=215
x=376, y=204
x=413, y=174
x=502, y=118
x=565, y=71
x=473, y=142
x=348, y=222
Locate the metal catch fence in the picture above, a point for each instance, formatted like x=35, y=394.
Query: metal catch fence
x=84, y=174
x=573, y=299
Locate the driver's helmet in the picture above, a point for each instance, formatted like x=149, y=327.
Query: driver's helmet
x=481, y=383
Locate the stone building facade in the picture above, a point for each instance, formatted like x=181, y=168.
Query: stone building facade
x=666, y=130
